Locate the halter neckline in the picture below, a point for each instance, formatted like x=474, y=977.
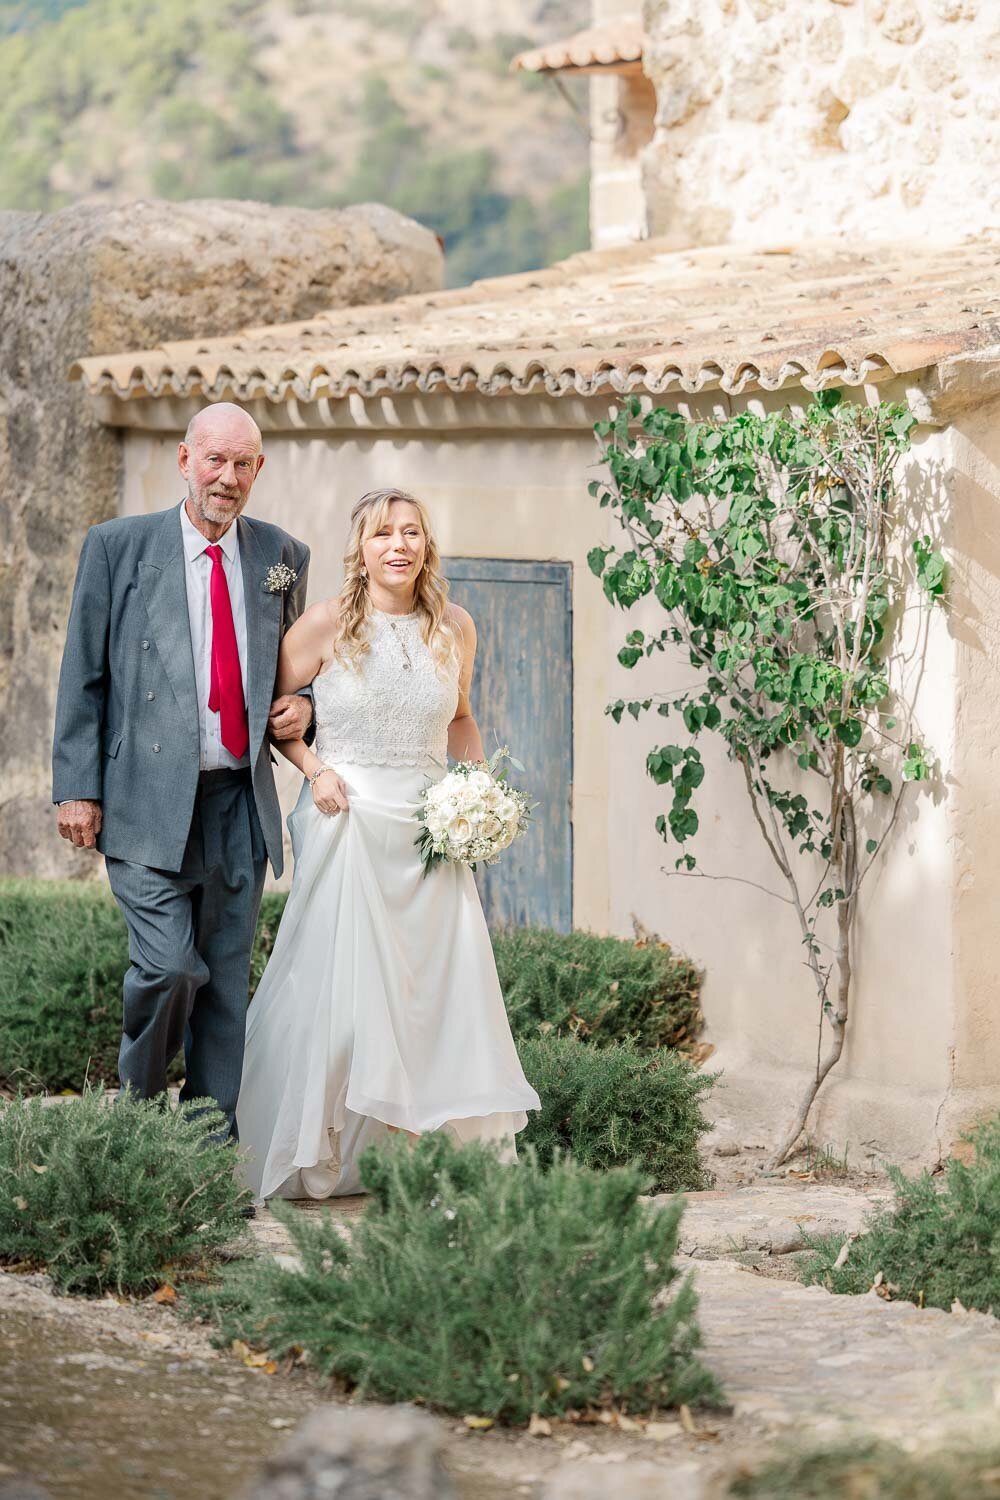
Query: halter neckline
x=387, y=615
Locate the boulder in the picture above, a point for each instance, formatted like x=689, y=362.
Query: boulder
x=359, y=1453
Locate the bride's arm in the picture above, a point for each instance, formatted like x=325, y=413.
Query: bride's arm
x=300, y=659
x=464, y=740
x=300, y=656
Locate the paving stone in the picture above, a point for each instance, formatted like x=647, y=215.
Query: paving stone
x=631, y=1481
x=775, y=1217
x=340, y=1453
x=799, y=1357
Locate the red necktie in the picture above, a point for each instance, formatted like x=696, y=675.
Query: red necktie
x=225, y=696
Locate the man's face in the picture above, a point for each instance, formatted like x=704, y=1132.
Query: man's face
x=220, y=466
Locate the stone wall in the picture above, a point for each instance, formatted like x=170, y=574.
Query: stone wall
x=794, y=119
x=93, y=280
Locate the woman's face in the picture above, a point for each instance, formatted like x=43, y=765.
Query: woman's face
x=394, y=554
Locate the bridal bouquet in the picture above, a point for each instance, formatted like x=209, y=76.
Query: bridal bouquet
x=472, y=814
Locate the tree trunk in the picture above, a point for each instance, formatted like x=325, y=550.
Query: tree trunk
x=838, y=1019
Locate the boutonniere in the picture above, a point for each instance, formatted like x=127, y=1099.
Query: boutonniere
x=279, y=578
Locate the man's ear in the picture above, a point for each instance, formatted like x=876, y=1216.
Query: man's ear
x=183, y=458
x=260, y=464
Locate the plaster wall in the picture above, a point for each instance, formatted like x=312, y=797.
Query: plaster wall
x=786, y=118
x=974, y=485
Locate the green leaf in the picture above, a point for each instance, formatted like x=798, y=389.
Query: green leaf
x=931, y=567
x=849, y=732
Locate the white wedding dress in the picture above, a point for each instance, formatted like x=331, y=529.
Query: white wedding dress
x=380, y=1004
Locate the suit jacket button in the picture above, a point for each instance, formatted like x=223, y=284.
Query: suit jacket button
x=156, y=749
x=145, y=645
x=150, y=696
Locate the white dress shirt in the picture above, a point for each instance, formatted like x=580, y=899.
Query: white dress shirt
x=197, y=574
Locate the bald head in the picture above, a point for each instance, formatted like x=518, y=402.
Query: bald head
x=220, y=458
x=222, y=416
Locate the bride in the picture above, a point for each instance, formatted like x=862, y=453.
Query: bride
x=380, y=1008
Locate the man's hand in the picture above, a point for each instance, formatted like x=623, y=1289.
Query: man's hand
x=80, y=822
x=289, y=717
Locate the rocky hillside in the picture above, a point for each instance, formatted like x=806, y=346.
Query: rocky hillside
x=315, y=102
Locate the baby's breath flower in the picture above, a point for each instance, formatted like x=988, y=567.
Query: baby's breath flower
x=280, y=577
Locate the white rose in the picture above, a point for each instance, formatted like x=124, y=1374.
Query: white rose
x=481, y=782
x=507, y=809
x=493, y=798
x=435, y=820
x=490, y=826
x=459, y=830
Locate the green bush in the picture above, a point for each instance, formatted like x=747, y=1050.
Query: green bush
x=64, y=951
x=609, y=1106
x=113, y=1196
x=479, y=1288
x=599, y=988
x=935, y=1243
x=871, y=1470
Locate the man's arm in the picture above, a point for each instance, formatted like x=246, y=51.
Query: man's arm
x=76, y=748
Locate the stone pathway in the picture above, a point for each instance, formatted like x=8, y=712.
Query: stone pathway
x=793, y=1361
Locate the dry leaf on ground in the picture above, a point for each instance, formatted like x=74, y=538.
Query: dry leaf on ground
x=661, y=1431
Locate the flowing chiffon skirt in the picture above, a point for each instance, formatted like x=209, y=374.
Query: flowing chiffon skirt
x=380, y=1005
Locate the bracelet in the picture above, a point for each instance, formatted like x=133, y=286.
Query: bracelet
x=317, y=774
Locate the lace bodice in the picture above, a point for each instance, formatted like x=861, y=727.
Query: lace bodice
x=394, y=708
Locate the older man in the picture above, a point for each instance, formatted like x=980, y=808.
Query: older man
x=161, y=756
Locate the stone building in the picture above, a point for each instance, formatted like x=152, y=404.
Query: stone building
x=482, y=399
x=773, y=121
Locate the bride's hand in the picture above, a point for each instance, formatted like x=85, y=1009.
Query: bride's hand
x=329, y=793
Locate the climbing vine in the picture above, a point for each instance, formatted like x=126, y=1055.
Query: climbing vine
x=777, y=552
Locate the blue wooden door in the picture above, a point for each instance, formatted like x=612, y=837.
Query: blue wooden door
x=522, y=696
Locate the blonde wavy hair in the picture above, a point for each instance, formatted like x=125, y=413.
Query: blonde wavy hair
x=430, y=599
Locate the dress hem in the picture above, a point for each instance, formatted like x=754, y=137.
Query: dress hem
x=517, y=1116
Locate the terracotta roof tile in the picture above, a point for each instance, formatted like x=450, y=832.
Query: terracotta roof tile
x=635, y=318
x=599, y=46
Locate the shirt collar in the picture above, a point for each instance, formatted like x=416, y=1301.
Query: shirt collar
x=195, y=544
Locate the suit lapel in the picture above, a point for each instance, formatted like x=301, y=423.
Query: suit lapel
x=263, y=612
x=164, y=591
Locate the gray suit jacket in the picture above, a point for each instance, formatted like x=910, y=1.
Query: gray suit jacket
x=126, y=729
